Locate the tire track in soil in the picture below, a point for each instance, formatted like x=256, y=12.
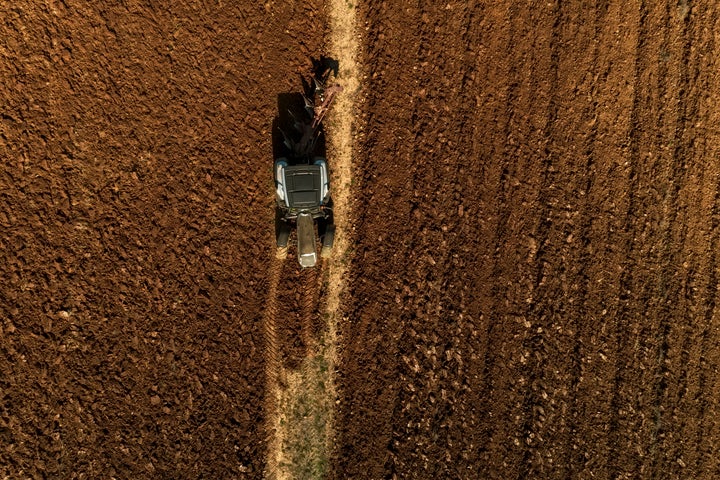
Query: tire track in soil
x=597, y=76
x=534, y=405
x=571, y=460
x=671, y=284
x=502, y=176
x=700, y=458
x=293, y=347
x=647, y=284
x=310, y=304
x=296, y=425
x=524, y=393
x=273, y=365
x=624, y=346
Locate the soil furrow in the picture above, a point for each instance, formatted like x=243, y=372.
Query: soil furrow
x=624, y=348
x=673, y=354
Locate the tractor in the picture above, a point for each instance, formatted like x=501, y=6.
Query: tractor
x=302, y=181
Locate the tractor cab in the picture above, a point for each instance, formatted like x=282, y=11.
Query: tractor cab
x=302, y=188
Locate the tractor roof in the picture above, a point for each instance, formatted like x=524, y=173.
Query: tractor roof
x=303, y=185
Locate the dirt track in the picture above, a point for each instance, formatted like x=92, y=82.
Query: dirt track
x=535, y=282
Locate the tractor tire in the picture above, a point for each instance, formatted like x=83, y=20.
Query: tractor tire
x=329, y=236
x=328, y=240
x=283, y=235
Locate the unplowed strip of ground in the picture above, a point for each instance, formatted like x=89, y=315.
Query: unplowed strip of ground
x=535, y=284
x=134, y=200
x=310, y=304
x=343, y=121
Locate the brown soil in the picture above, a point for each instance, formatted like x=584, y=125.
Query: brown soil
x=534, y=277
x=535, y=281
x=135, y=232
x=297, y=315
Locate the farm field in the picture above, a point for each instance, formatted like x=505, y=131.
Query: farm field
x=135, y=232
x=530, y=282
x=535, y=278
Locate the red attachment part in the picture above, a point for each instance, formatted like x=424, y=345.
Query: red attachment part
x=307, y=141
x=328, y=95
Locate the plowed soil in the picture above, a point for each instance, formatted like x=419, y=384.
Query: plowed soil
x=535, y=281
x=533, y=284
x=136, y=232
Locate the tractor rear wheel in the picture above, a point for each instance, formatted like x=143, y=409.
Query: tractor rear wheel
x=328, y=239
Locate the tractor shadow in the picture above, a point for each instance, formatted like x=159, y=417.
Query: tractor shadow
x=291, y=109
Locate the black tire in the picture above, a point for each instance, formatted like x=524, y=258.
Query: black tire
x=329, y=236
x=283, y=235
